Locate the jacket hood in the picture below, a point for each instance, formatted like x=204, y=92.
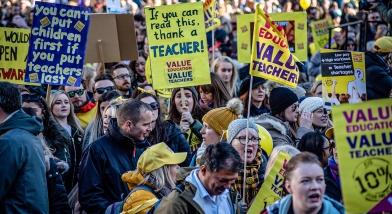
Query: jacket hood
x=57, y=135
x=284, y=204
x=22, y=121
x=271, y=122
x=373, y=59
x=123, y=141
x=132, y=179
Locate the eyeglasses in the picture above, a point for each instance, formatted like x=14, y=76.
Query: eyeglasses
x=121, y=76
x=254, y=140
x=102, y=90
x=79, y=92
x=154, y=105
x=30, y=97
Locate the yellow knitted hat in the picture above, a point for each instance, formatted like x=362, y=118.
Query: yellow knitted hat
x=220, y=118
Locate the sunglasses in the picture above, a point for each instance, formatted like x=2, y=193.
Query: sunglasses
x=294, y=107
x=79, y=92
x=154, y=105
x=30, y=97
x=122, y=76
x=102, y=90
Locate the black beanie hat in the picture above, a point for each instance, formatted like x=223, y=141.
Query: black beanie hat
x=280, y=99
x=246, y=83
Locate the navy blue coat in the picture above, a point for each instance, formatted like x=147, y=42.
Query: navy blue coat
x=103, y=163
x=22, y=172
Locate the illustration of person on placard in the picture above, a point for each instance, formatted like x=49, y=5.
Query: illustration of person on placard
x=357, y=88
x=332, y=97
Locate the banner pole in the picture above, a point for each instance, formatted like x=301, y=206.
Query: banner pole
x=48, y=90
x=247, y=137
x=100, y=50
x=213, y=33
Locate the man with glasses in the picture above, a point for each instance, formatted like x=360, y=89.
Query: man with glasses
x=122, y=78
x=22, y=171
x=103, y=83
x=84, y=105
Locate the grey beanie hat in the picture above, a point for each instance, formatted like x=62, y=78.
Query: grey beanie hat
x=238, y=125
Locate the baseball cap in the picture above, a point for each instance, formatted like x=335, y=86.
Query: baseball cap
x=157, y=156
x=383, y=45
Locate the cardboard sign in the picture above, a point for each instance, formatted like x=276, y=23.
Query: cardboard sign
x=177, y=45
x=211, y=15
x=14, y=45
x=364, y=143
x=271, y=58
x=320, y=32
x=57, y=44
x=117, y=33
x=273, y=186
x=294, y=25
x=343, y=76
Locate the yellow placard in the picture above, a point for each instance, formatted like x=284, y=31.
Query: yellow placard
x=294, y=25
x=271, y=58
x=14, y=45
x=363, y=134
x=343, y=76
x=273, y=187
x=211, y=15
x=320, y=32
x=167, y=92
x=177, y=45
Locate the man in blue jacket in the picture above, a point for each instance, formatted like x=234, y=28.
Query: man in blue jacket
x=22, y=172
x=115, y=153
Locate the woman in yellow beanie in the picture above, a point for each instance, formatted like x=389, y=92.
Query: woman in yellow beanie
x=215, y=125
x=156, y=171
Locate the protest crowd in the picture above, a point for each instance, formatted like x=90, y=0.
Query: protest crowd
x=118, y=144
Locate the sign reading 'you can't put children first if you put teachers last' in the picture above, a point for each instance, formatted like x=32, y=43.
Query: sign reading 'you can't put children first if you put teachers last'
x=57, y=44
x=363, y=134
x=177, y=45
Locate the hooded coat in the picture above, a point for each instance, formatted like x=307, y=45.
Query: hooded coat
x=101, y=168
x=284, y=206
x=58, y=140
x=23, y=177
x=279, y=130
x=378, y=77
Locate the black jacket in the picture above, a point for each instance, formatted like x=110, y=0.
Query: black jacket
x=75, y=154
x=378, y=77
x=58, y=201
x=22, y=172
x=103, y=163
x=58, y=140
x=175, y=139
x=332, y=190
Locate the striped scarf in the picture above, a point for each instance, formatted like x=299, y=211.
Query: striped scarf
x=252, y=178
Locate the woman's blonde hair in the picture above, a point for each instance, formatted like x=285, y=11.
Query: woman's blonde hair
x=115, y=104
x=162, y=178
x=290, y=150
x=71, y=118
x=232, y=85
x=88, y=73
